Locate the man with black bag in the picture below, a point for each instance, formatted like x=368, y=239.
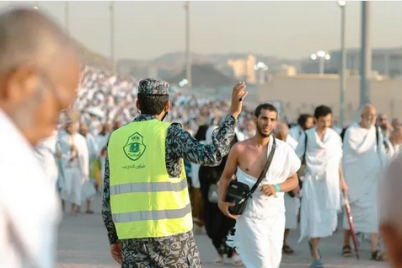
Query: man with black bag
x=258, y=204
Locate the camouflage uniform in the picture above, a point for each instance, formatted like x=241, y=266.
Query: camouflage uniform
x=178, y=251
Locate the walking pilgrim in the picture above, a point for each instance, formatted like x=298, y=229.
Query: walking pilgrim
x=88, y=188
x=292, y=199
x=39, y=75
x=102, y=140
x=322, y=183
x=304, y=122
x=390, y=211
x=75, y=163
x=393, y=143
x=260, y=229
x=363, y=162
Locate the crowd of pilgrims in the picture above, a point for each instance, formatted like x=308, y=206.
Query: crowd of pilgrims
x=106, y=102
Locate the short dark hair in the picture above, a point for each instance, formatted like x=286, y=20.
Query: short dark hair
x=265, y=106
x=151, y=104
x=301, y=121
x=322, y=111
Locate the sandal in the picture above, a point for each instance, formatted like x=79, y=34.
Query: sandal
x=218, y=261
x=287, y=250
x=317, y=264
x=377, y=256
x=236, y=261
x=347, y=251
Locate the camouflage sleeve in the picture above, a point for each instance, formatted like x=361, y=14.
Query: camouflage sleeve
x=106, y=211
x=180, y=144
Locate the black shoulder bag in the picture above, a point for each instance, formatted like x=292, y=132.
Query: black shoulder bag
x=239, y=193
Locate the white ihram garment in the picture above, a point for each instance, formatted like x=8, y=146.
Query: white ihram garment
x=295, y=132
x=292, y=204
x=362, y=166
x=259, y=231
x=77, y=171
x=392, y=151
x=29, y=206
x=45, y=152
x=88, y=188
x=321, y=189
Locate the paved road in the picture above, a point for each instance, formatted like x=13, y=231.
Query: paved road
x=83, y=244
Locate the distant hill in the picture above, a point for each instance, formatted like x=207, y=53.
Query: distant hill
x=204, y=75
x=88, y=57
x=171, y=65
x=178, y=58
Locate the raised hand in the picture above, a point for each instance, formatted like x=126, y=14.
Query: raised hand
x=238, y=96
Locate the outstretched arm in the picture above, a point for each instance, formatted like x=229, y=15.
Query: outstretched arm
x=182, y=144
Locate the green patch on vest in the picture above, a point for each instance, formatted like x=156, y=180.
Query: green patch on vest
x=135, y=147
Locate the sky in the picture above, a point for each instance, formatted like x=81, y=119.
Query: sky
x=291, y=30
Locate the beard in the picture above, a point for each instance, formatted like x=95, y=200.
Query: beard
x=262, y=134
x=367, y=124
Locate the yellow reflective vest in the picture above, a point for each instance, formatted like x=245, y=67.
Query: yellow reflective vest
x=145, y=201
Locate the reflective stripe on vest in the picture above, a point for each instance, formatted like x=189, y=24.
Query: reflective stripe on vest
x=152, y=215
x=145, y=201
x=148, y=187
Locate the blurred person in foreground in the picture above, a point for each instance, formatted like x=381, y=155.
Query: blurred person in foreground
x=260, y=229
x=292, y=199
x=146, y=206
x=390, y=211
x=39, y=74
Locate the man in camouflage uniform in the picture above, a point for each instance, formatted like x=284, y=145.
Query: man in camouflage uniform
x=176, y=250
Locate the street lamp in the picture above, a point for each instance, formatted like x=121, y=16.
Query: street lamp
x=365, y=54
x=322, y=56
x=342, y=75
x=112, y=56
x=187, y=40
x=342, y=3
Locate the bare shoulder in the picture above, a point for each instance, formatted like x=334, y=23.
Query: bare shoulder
x=241, y=146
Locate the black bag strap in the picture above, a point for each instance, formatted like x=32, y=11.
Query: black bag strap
x=305, y=149
x=267, y=164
